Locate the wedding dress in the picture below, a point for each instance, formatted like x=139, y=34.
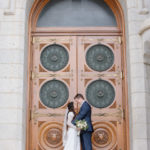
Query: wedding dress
x=71, y=140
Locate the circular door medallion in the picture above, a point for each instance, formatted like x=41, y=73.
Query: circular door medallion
x=104, y=135
x=100, y=93
x=54, y=57
x=50, y=135
x=99, y=57
x=54, y=94
x=53, y=136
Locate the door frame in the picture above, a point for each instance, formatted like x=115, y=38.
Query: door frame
x=97, y=31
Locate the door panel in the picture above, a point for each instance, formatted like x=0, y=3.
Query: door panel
x=65, y=65
x=100, y=80
x=53, y=84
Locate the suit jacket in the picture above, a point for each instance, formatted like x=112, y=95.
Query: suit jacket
x=85, y=114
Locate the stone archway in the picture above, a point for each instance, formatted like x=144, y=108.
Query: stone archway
x=29, y=37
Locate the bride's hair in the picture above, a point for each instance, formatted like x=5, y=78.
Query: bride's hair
x=71, y=108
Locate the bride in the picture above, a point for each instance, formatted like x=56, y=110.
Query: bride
x=71, y=140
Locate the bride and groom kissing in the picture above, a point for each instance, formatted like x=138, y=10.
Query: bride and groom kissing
x=72, y=133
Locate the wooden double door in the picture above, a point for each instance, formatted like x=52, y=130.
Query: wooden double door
x=65, y=65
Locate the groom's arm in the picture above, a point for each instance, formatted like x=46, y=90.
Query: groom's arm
x=81, y=114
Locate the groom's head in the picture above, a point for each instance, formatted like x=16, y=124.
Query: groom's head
x=79, y=98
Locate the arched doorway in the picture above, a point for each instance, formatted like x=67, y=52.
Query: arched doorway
x=77, y=46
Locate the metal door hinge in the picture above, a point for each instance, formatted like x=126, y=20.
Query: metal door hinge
x=30, y=118
x=33, y=40
x=32, y=75
x=124, y=114
x=120, y=40
x=121, y=75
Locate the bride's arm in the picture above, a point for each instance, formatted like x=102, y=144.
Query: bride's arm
x=70, y=118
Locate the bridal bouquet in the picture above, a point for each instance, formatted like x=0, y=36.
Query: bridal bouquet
x=82, y=124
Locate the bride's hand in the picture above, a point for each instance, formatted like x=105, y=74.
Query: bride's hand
x=78, y=129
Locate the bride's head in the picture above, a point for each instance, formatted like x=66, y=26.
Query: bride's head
x=71, y=107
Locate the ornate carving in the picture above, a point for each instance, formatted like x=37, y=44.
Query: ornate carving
x=53, y=136
x=100, y=93
x=117, y=75
x=52, y=75
x=101, y=137
x=41, y=69
x=86, y=45
x=116, y=40
x=119, y=114
x=54, y=57
x=86, y=81
x=50, y=135
x=99, y=57
x=54, y=94
x=104, y=135
x=42, y=45
x=51, y=41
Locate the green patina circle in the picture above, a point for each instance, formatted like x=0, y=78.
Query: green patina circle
x=100, y=93
x=54, y=94
x=54, y=57
x=99, y=57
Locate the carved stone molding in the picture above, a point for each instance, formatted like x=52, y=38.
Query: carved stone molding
x=11, y=8
x=147, y=52
x=144, y=11
x=143, y=8
x=145, y=26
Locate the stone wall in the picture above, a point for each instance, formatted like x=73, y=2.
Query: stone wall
x=13, y=77
x=137, y=13
x=145, y=34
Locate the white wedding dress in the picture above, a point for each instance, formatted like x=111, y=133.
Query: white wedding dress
x=71, y=140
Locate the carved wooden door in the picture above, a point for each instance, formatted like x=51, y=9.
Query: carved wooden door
x=53, y=85
x=65, y=65
x=100, y=80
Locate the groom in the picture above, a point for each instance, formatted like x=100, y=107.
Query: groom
x=84, y=114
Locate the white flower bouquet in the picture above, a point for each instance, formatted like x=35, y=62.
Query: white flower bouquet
x=82, y=125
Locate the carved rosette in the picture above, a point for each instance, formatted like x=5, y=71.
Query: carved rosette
x=99, y=57
x=50, y=135
x=54, y=93
x=104, y=135
x=54, y=57
x=100, y=93
x=53, y=137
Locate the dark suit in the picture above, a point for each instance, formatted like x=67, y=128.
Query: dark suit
x=85, y=114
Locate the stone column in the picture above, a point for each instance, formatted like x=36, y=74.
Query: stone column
x=145, y=34
x=12, y=24
x=138, y=91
